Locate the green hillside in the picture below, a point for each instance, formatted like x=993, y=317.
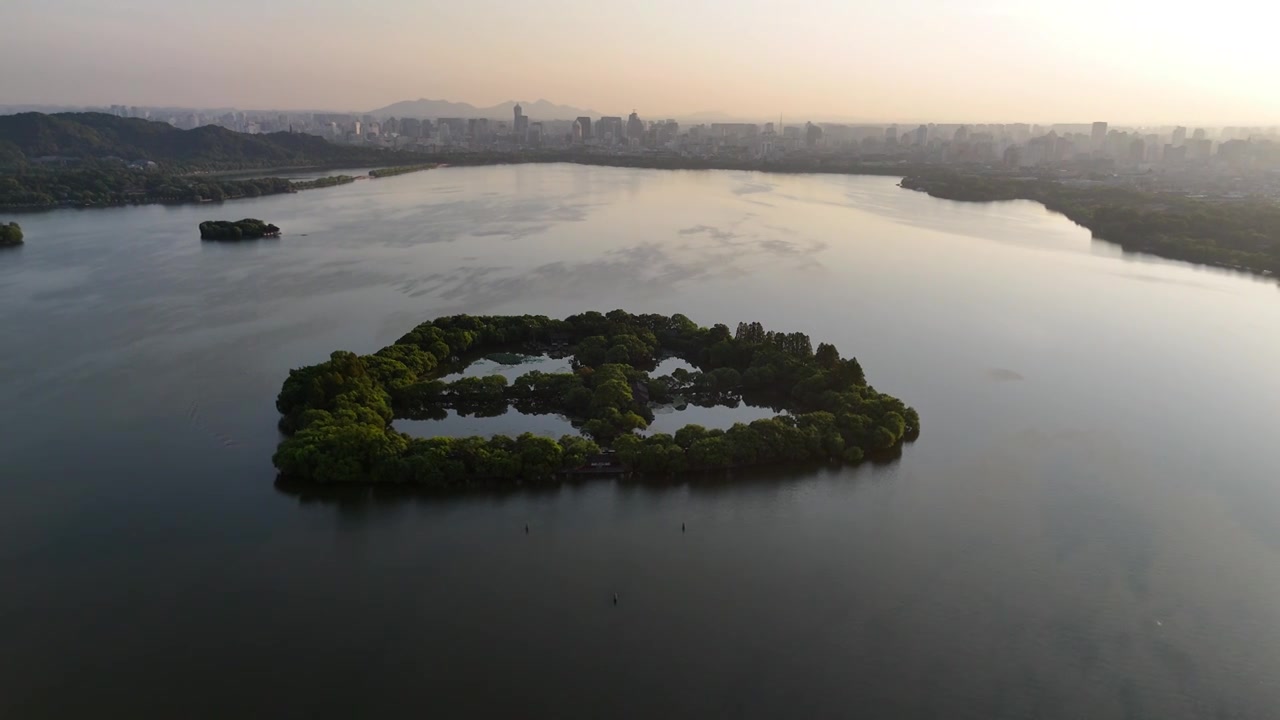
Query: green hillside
x=27, y=137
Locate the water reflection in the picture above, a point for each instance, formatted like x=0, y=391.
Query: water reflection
x=503, y=419
x=1098, y=456
x=668, y=419
x=770, y=478
x=511, y=366
x=509, y=422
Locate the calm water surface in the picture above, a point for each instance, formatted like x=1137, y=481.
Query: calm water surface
x=1086, y=529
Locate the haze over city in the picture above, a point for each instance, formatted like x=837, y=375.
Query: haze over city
x=1130, y=62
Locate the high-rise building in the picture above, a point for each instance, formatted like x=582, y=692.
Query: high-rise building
x=922, y=136
x=812, y=134
x=1199, y=134
x=668, y=131
x=1099, y=136
x=1199, y=150
x=585, y=124
x=521, y=126
x=1179, y=136
x=609, y=129
x=1137, y=151
x=635, y=127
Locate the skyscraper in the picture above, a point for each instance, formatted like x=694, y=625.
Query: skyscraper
x=521, y=126
x=812, y=134
x=609, y=129
x=922, y=136
x=585, y=124
x=635, y=127
x=1179, y=136
x=1099, y=136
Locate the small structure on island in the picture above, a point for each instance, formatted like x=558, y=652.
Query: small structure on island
x=605, y=462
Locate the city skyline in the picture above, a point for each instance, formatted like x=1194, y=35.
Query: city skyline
x=498, y=111
x=1136, y=63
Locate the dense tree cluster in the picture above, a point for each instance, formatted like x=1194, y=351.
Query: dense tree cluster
x=106, y=183
x=337, y=416
x=10, y=234
x=245, y=229
x=1243, y=234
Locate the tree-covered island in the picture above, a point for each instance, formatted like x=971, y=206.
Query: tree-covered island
x=338, y=416
x=10, y=234
x=246, y=229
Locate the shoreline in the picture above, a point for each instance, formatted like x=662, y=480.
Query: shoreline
x=294, y=186
x=939, y=182
x=1083, y=208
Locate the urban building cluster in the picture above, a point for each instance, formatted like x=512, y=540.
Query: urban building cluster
x=1175, y=157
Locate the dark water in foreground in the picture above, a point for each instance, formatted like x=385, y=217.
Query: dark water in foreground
x=1086, y=529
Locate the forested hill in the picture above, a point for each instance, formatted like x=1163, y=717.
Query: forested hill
x=88, y=136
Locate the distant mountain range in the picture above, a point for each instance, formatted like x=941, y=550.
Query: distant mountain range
x=431, y=109
x=84, y=136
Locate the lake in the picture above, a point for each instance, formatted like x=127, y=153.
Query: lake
x=1087, y=526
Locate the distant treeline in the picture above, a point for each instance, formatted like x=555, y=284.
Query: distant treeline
x=107, y=184
x=401, y=170
x=1243, y=235
x=37, y=138
x=100, y=184
x=667, y=161
x=323, y=182
x=95, y=160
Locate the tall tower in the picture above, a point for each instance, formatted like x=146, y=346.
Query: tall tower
x=1099, y=136
x=521, y=125
x=635, y=127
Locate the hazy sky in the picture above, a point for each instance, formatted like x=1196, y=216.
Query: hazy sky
x=1126, y=61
